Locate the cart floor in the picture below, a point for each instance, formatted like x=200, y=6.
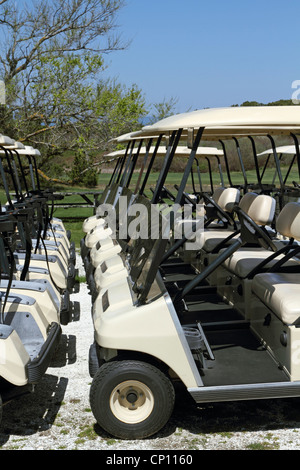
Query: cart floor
x=175, y=271
x=240, y=359
x=239, y=356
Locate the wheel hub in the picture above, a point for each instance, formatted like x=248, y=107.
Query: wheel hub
x=131, y=402
x=131, y=397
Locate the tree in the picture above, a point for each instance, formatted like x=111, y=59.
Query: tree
x=272, y=103
x=162, y=110
x=52, y=61
x=42, y=28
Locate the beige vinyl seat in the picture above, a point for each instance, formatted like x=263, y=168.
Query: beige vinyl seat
x=211, y=237
x=247, y=259
x=280, y=291
x=226, y=198
x=262, y=211
x=243, y=261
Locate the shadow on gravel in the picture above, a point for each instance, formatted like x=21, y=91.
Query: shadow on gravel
x=66, y=351
x=36, y=412
x=33, y=412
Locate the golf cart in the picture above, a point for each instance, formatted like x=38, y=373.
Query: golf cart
x=33, y=307
x=151, y=330
x=100, y=261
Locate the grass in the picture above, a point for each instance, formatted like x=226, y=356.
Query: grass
x=264, y=445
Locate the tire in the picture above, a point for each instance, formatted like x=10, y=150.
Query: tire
x=131, y=399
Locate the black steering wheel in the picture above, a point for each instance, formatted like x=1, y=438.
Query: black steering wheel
x=209, y=200
x=257, y=233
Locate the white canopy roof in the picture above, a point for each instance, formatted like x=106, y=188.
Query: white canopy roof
x=181, y=151
x=288, y=149
x=132, y=136
x=11, y=144
x=6, y=141
x=225, y=122
x=16, y=146
x=28, y=150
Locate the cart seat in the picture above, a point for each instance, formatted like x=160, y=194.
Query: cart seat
x=243, y=261
x=287, y=225
x=211, y=237
x=281, y=293
x=226, y=198
x=219, y=206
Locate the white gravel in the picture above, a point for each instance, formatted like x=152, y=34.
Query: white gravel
x=58, y=416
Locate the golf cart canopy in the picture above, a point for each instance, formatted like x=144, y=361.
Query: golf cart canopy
x=6, y=141
x=286, y=149
x=239, y=121
x=16, y=146
x=180, y=152
x=30, y=151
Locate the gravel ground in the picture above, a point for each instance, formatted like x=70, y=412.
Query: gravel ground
x=58, y=416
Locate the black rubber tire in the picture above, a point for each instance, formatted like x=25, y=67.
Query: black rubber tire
x=115, y=373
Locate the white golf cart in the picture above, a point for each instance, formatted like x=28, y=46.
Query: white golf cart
x=224, y=341
x=33, y=293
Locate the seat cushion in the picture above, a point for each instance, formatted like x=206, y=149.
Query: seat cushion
x=281, y=293
x=226, y=198
x=245, y=259
x=210, y=238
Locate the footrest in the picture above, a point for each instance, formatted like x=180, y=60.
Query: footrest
x=38, y=366
x=205, y=342
x=199, y=344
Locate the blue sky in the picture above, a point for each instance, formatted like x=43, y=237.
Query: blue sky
x=209, y=54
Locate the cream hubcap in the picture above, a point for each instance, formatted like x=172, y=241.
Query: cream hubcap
x=131, y=402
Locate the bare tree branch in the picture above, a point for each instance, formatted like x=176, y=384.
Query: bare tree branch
x=51, y=61
x=44, y=27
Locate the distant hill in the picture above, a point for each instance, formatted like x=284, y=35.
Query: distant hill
x=273, y=103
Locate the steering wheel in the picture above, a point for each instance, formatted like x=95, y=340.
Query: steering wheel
x=225, y=215
x=245, y=220
x=168, y=193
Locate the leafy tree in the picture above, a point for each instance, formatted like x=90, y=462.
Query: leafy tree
x=51, y=62
x=162, y=110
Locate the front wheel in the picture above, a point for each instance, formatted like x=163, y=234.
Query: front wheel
x=131, y=399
